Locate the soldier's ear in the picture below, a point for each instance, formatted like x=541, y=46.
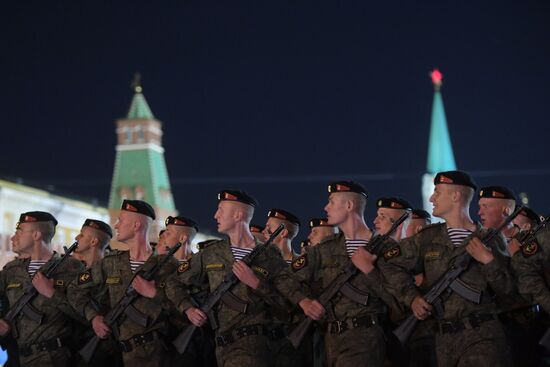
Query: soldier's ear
x=95, y=242
x=183, y=238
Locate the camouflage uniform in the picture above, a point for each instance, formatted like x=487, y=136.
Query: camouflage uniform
x=141, y=346
x=355, y=335
x=46, y=343
x=241, y=338
x=467, y=333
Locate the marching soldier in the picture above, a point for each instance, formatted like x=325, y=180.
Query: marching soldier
x=45, y=338
x=467, y=333
x=419, y=219
x=389, y=210
x=526, y=219
x=141, y=332
x=319, y=229
x=284, y=240
x=258, y=232
x=241, y=323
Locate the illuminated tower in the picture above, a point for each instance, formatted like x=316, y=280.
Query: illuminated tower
x=440, y=150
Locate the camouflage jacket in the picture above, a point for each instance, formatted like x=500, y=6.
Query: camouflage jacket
x=111, y=276
x=432, y=252
x=531, y=265
x=321, y=264
x=58, y=316
x=214, y=262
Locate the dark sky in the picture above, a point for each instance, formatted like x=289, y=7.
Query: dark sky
x=278, y=97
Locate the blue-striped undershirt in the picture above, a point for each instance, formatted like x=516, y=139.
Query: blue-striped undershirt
x=34, y=265
x=457, y=235
x=134, y=265
x=239, y=252
x=352, y=245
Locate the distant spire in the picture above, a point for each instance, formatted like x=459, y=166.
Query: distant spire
x=440, y=150
x=139, y=109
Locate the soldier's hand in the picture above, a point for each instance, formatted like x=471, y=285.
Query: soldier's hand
x=421, y=308
x=43, y=285
x=513, y=247
x=4, y=327
x=245, y=274
x=478, y=251
x=100, y=327
x=196, y=316
x=146, y=288
x=312, y=308
x=363, y=260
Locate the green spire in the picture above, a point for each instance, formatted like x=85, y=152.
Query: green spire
x=139, y=109
x=440, y=150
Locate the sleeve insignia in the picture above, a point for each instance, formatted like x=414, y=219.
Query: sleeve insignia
x=183, y=267
x=112, y=280
x=260, y=270
x=299, y=263
x=530, y=249
x=391, y=253
x=84, y=277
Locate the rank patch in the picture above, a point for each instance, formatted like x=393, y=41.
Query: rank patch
x=299, y=262
x=112, y=280
x=14, y=285
x=183, y=267
x=391, y=253
x=530, y=249
x=215, y=266
x=84, y=277
x=432, y=255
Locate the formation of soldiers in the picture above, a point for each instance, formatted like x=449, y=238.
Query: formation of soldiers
x=131, y=308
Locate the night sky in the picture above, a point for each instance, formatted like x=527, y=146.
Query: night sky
x=277, y=98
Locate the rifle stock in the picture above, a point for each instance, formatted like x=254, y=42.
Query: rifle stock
x=300, y=331
x=449, y=280
x=182, y=340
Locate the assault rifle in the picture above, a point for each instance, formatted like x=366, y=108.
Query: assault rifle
x=341, y=283
x=124, y=306
x=23, y=304
x=450, y=280
x=221, y=292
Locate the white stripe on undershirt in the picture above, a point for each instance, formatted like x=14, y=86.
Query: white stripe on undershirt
x=352, y=245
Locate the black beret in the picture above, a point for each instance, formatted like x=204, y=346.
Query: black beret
x=421, y=214
x=236, y=195
x=319, y=222
x=181, y=221
x=99, y=225
x=530, y=213
x=496, y=192
x=304, y=243
x=455, y=178
x=138, y=206
x=284, y=215
x=256, y=228
x=393, y=203
x=347, y=186
x=30, y=217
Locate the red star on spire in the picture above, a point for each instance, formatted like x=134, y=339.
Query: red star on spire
x=437, y=78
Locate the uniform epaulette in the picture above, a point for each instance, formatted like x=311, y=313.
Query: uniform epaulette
x=433, y=225
x=115, y=253
x=330, y=238
x=14, y=262
x=211, y=242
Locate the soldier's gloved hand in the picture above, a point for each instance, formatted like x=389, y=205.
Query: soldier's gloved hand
x=100, y=327
x=196, y=316
x=312, y=308
x=146, y=288
x=363, y=260
x=421, y=308
x=478, y=251
x=43, y=285
x=245, y=274
x=4, y=328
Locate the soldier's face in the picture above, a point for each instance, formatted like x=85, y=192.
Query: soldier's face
x=225, y=216
x=414, y=226
x=442, y=200
x=318, y=234
x=492, y=212
x=270, y=227
x=125, y=226
x=336, y=209
x=170, y=237
x=385, y=217
x=23, y=239
x=84, y=239
x=522, y=222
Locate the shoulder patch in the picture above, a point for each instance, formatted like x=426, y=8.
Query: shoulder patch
x=530, y=249
x=85, y=277
x=261, y=270
x=392, y=252
x=299, y=263
x=183, y=267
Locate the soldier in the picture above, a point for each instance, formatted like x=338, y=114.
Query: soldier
x=258, y=232
x=242, y=322
x=284, y=240
x=526, y=219
x=354, y=335
x=319, y=230
x=389, y=210
x=467, y=333
x=139, y=333
x=44, y=341
x=180, y=230
x=160, y=247
x=92, y=240
x=495, y=204
x=419, y=219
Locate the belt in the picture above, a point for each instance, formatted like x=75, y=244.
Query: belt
x=278, y=332
x=231, y=336
x=339, y=326
x=129, y=344
x=51, y=344
x=470, y=322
